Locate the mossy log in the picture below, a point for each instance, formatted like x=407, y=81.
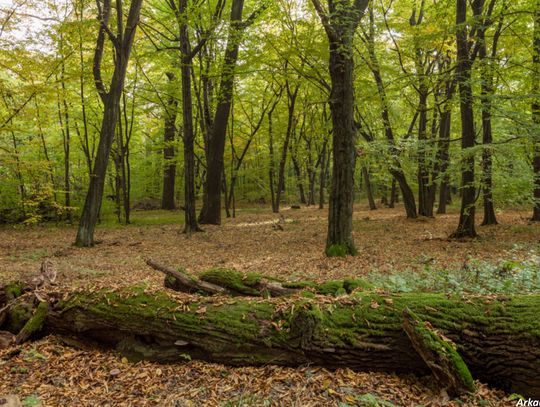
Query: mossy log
x=233, y=282
x=498, y=338
x=440, y=355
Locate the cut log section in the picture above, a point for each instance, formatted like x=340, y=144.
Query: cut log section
x=498, y=338
x=440, y=355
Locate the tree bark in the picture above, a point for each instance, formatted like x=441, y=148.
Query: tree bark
x=340, y=22
x=111, y=105
x=369, y=190
x=292, y=95
x=190, y=195
x=211, y=210
x=466, y=226
x=395, y=169
x=496, y=337
x=169, y=173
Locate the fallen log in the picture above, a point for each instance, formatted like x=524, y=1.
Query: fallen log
x=498, y=338
x=233, y=282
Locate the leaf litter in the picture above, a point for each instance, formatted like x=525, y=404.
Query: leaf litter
x=56, y=374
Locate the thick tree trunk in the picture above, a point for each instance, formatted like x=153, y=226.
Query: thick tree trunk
x=466, y=226
x=496, y=337
x=344, y=133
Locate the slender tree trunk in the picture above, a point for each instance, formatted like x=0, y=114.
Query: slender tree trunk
x=291, y=123
x=50, y=167
x=393, y=194
x=187, y=118
x=443, y=153
x=396, y=170
x=211, y=210
x=169, y=173
x=325, y=166
x=424, y=207
x=67, y=142
x=487, y=138
x=271, y=169
x=299, y=183
x=111, y=106
x=85, y=140
x=369, y=190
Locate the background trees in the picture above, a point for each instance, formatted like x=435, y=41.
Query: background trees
x=249, y=97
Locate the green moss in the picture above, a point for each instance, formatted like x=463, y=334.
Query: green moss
x=443, y=350
x=35, y=323
x=14, y=290
x=352, y=284
x=337, y=250
x=341, y=250
x=233, y=280
x=307, y=294
x=331, y=288
x=18, y=316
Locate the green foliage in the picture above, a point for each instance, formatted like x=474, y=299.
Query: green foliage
x=31, y=401
x=507, y=277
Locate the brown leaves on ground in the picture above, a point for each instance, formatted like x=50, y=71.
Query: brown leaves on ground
x=386, y=241
x=58, y=375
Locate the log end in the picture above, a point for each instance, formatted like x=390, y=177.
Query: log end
x=446, y=364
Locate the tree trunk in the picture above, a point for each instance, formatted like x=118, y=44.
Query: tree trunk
x=487, y=92
x=169, y=174
x=425, y=207
x=211, y=210
x=299, y=183
x=396, y=169
x=111, y=110
x=190, y=217
x=466, y=226
x=292, y=94
x=444, y=157
x=393, y=194
x=344, y=152
x=325, y=159
x=369, y=190
x=272, y=164
x=487, y=161
x=496, y=337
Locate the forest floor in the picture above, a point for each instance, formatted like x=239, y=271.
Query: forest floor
x=54, y=374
